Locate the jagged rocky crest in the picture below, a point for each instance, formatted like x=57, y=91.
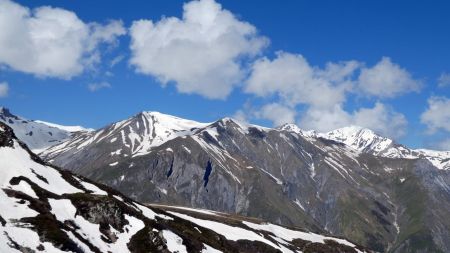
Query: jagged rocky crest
x=45, y=209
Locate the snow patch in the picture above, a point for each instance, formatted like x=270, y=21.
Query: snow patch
x=174, y=242
x=90, y=187
x=209, y=249
x=24, y=187
x=229, y=232
x=297, y=202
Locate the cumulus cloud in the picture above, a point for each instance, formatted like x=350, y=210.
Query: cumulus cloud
x=437, y=115
x=4, y=89
x=292, y=78
x=444, y=80
x=443, y=145
x=240, y=116
x=380, y=118
x=97, y=86
x=50, y=42
x=277, y=113
x=324, y=120
x=201, y=53
x=386, y=80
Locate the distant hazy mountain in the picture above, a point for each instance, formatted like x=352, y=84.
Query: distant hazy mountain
x=44, y=209
x=38, y=135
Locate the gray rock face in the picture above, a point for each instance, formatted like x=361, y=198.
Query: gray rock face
x=284, y=175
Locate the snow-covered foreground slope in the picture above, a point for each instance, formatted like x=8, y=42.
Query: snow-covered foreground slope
x=43, y=209
x=38, y=135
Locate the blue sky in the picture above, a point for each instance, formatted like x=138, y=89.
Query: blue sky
x=264, y=63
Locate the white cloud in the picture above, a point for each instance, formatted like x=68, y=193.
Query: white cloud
x=116, y=60
x=386, y=80
x=443, y=145
x=290, y=80
x=4, y=89
x=202, y=52
x=444, y=80
x=105, y=33
x=97, y=86
x=277, y=113
x=437, y=115
x=324, y=120
x=295, y=81
x=50, y=42
x=241, y=116
x=381, y=119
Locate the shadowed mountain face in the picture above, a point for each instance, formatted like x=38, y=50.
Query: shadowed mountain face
x=44, y=209
x=342, y=182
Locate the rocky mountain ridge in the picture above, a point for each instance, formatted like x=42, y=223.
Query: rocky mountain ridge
x=367, y=141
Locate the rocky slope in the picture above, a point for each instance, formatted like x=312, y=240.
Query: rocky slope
x=38, y=135
x=285, y=175
x=44, y=209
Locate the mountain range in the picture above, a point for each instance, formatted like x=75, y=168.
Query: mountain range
x=350, y=182
x=46, y=209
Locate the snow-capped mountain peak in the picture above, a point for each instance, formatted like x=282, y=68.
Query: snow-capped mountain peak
x=134, y=136
x=360, y=138
x=295, y=129
x=166, y=122
x=367, y=141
